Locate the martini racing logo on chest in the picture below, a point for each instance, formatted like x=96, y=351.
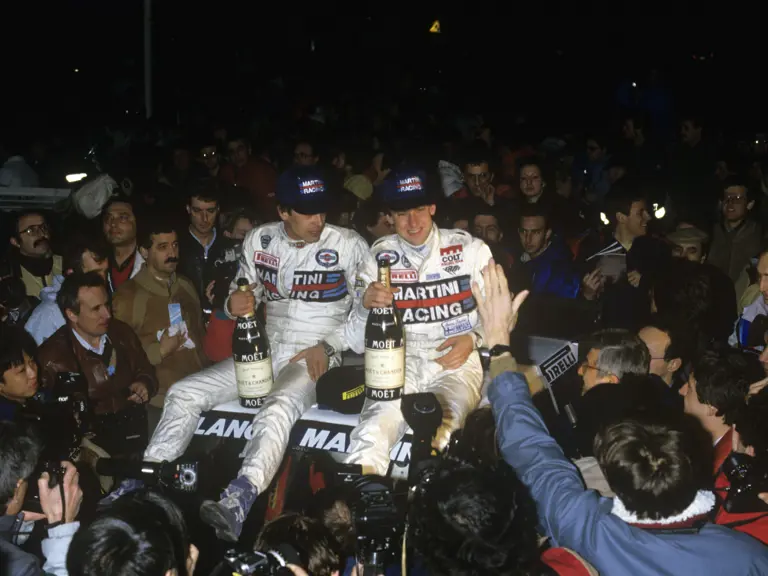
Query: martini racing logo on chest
x=319, y=286
x=438, y=301
x=327, y=258
x=266, y=266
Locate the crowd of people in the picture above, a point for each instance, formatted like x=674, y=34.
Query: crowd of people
x=654, y=464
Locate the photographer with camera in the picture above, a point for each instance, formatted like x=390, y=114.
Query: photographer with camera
x=716, y=395
x=303, y=542
x=657, y=521
x=103, y=356
x=142, y=534
x=60, y=499
x=741, y=466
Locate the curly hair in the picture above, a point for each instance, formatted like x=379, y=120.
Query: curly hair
x=468, y=521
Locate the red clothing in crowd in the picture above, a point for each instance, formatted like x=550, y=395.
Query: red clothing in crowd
x=754, y=523
x=259, y=178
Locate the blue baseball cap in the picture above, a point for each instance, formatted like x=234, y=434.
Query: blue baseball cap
x=404, y=190
x=303, y=189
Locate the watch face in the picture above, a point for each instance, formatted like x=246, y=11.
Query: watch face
x=329, y=351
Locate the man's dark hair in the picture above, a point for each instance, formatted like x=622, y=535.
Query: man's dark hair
x=149, y=227
x=120, y=198
x=684, y=292
x=23, y=214
x=531, y=160
x=367, y=214
x=228, y=220
x=314, y=145
x=535, y=210
x=723, y=376
x=751, y=421
x=634, y=395
x=205, y=190
x=468, y=521
x=679, y=342
x=142, y=534
x=68, y=296
x=620, y=352
x=14, y=343
x=238, y=137
x=318, y=549
x=620, y=199
x=477, y=153
x=650, y=463
x=472, y=207
x=78, y=246
x=737, y=181
x=20, y=449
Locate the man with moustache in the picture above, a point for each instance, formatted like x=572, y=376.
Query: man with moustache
x=163, y=309
x=30, y=256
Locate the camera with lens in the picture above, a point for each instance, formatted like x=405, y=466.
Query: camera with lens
x=378, y=505
x=748, y=476
x=379, y=517
x=55, y=477
x=181, y=476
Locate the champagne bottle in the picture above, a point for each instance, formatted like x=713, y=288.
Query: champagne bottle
x=253, y=363
x=384, y=348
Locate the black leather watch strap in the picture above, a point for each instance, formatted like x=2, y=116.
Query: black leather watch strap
x=499, y=349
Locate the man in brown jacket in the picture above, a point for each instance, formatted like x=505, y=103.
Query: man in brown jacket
x=109, y=355
x=163, y=309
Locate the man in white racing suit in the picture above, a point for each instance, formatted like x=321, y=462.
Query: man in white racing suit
x=432, y=275
x=302, y=269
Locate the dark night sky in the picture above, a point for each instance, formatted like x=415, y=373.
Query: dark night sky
x=220, y=46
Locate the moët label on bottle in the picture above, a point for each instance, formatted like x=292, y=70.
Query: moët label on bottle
x=254, y=381
x=384, y=371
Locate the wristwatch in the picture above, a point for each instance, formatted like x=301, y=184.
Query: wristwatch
x=330, y=351
x=486, y=355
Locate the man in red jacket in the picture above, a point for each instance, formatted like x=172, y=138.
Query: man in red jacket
x=715, y=395
x=749, y=436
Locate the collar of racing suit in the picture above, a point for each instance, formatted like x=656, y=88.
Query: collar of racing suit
x=425, y=249
x=294, y=243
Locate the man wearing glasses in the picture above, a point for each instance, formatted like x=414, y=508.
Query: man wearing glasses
x=738, y=237
x=30, y=256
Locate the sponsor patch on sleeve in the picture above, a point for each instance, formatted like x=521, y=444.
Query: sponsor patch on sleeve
x=264, y=259
x=457, y=326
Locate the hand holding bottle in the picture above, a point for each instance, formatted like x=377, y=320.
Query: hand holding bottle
x=242, y=302
x=378, y=296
